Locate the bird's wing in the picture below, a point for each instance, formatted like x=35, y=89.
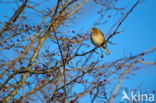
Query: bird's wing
x=102, y=35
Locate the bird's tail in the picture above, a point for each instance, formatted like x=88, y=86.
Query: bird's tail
x=105, y=49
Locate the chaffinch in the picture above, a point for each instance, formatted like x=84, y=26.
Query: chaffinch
x=98, y=39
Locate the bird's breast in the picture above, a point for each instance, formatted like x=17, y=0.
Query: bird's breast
x=97, y=39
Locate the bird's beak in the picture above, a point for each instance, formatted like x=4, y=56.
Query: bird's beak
x=91, y=30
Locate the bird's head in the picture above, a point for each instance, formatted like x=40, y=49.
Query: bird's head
x=94, y=30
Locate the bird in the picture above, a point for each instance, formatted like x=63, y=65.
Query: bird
x=98, y=39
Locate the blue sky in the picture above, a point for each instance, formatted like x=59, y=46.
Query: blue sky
x=139, y=35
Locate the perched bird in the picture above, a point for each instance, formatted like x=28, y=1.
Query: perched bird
x=98, y=39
